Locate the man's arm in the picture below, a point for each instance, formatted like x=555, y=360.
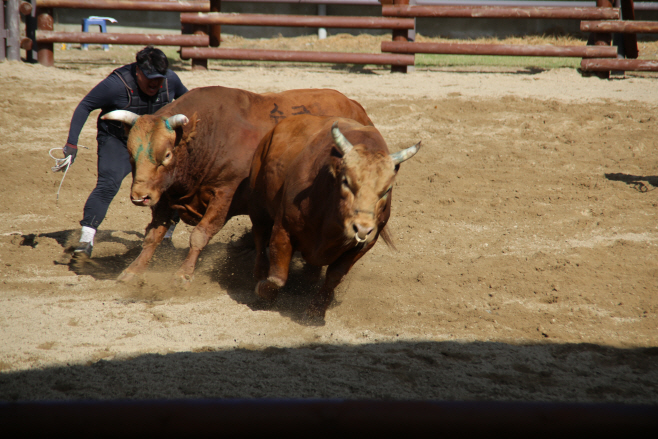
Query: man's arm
x=176, y=84
x=105, y=95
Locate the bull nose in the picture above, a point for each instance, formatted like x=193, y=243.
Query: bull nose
x=140, y=200
x=362, y=231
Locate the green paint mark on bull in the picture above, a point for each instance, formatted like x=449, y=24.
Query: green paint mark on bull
x=148, y=150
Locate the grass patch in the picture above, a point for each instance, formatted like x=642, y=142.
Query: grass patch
x=427, y=60
x=430, y=60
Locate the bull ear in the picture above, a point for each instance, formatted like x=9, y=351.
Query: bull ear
x=405, y=154
x=340, y=140
x=127, y=117
x=189, y=132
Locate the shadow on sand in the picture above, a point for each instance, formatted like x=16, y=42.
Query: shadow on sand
x=635, y=181
x=398, y=370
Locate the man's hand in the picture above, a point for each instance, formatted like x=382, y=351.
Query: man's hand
x=70, y=150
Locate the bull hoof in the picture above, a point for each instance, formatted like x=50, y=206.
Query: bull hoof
x=183, y=280
x=267, y=290
x=127, y=277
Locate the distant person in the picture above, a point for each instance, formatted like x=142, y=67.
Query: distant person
x=142, y=87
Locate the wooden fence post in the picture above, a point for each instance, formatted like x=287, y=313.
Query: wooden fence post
x=401, y=35
x=214, y=33
x=601, y=39
x=45, y=50
x=629, y=41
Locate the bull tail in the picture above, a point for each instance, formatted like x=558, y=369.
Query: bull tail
x=388, y=238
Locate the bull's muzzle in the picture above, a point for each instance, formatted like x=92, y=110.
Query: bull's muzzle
x=361, y=232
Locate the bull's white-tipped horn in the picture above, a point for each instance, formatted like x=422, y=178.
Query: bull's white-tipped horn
x=341, y=141
x=122, y=116
x=405, y=154
x=177, y=121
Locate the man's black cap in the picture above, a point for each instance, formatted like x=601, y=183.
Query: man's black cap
x=150, y=72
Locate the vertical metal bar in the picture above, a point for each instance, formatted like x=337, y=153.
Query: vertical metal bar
x=13, y=22
x=45, y=50
x=3, y=34
x=215, y=31
x=30, y=32
x=322, y=32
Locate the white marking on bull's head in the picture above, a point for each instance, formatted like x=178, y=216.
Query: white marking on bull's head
x=152, y=141
x=366, y=174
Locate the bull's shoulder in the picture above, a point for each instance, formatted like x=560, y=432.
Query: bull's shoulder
x=209, y=100
x=217, y=93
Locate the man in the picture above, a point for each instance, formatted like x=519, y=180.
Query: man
x=142, y=87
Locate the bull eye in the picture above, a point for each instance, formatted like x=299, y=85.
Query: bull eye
x=345, y=183
x=167, y=158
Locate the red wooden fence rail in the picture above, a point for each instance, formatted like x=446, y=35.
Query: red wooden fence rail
x=501, y=12
x=501, y=49
x=122, y=38
x=606, y=65
x=622, y=27
x=129, y=5
x=298, y=56
x=298, y=21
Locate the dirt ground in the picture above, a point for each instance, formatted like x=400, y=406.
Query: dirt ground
x=525, y=267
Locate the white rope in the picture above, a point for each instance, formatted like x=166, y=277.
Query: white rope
x=60, y=164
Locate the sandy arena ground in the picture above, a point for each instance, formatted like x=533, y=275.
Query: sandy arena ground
x=525, y=269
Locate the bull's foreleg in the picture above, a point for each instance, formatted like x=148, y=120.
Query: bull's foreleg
x=335, y=273
x=281, y=251
x=155, y=231
x=211, y=223
x=261, y=228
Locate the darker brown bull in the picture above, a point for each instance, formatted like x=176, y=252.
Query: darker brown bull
x=322, y=186
x=193, y=156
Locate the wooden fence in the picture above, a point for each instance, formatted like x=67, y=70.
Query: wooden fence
x=601, y=21
x=201, y=22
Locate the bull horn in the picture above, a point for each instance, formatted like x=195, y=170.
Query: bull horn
x=176, y=121
x=124, y=116
x=341, y=141
x=405, y=154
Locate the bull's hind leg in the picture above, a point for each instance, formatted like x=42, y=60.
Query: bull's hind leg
x=155, y=231
x=211, y=223
x=281, y=251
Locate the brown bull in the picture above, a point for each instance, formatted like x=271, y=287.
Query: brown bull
x=193, y=156
x=322, y=186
